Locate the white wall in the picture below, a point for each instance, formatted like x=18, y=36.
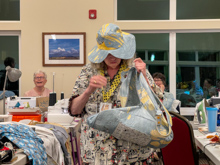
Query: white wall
x=38, y=16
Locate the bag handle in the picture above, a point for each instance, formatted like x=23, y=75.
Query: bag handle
x=133, y=82
x=159, y=113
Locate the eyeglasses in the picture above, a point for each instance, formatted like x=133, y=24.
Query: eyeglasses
x=157, y=80
x=38, y=78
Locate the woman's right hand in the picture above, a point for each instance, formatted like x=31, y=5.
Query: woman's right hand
x=162, y=87
x=97, y=81
x=79, y=102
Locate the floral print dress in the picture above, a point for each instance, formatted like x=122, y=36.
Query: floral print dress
x=98, y=147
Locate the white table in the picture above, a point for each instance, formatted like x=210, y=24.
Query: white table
x=213, y=152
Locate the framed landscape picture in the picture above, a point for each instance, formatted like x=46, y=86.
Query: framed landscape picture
x=64, y=49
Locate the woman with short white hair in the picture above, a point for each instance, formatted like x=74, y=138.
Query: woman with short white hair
x=40, y=79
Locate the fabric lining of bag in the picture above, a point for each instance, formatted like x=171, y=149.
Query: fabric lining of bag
x=123, y=132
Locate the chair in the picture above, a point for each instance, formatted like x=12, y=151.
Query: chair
x=176, y=106
x=182, y=149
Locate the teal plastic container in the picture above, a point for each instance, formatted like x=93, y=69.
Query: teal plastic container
x=212, y=118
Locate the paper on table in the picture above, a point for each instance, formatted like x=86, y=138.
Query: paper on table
x=203, y=130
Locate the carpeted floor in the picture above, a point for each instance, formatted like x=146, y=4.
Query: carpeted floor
x=203, y=160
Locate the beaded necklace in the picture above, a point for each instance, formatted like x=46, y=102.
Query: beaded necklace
x=115, y=83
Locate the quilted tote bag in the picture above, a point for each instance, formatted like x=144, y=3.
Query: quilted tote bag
x=141, y=120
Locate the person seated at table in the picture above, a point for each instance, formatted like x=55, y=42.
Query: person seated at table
x=168, y=98
x=40, y=79
x=196, y=91
x=208, y=89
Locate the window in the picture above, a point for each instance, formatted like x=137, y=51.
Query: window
x=198, y=9
x=166, y=9
x=9, y=10
x=188, y=58
x=9, y=47
x=142, y=10
x=197, y=60
x=153, y=48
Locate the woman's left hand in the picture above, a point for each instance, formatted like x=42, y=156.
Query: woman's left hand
x=140, y=66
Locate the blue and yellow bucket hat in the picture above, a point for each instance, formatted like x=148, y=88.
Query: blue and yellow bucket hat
x=110, y=39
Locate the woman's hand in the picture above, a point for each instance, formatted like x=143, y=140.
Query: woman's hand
x=97, y=81
x=140, y=66
x=162, y=87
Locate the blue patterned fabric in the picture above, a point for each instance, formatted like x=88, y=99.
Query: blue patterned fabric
x=25, y=138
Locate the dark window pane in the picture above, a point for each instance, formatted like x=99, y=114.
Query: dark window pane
x=198, y=9
x=209, y=56
x=9, y=10
x=157, y=55
x=143, y=10
x=186, y=56
x=141, y=54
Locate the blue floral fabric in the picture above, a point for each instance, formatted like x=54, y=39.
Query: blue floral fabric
x=25, y=138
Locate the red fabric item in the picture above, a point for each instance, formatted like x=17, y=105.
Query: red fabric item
x=179, y=151
x=4, y=148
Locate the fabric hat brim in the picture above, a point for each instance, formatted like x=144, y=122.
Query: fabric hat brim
x=126, y=51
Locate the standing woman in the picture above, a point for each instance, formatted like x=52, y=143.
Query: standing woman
x=97, y=86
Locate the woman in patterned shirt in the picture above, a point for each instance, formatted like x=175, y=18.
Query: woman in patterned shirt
x=97, y=89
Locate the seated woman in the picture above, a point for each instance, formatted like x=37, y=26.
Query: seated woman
x=208, y=89
x=168, y=98
x=40, y=79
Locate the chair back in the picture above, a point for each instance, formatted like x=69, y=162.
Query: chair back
x=182, y=149
x=176, y=106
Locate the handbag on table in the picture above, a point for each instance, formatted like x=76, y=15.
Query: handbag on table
x=141, y=120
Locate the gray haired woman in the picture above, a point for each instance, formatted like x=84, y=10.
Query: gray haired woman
x=40, y=79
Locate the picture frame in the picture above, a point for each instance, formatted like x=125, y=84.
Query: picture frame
x=64, y=49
